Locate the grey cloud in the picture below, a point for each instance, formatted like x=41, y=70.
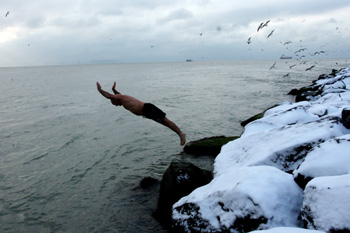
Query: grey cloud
x=125, y=30
x=75, y=23
x=178, y=14
x=35, y=22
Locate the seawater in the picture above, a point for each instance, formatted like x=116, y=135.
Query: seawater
x=72, y=162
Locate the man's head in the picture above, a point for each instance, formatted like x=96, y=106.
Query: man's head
x=116, y=102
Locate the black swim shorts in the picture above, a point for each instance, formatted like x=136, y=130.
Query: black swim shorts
x=152, y=112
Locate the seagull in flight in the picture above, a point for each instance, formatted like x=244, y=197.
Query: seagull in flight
x=273, y=66
x=249, y=40
x=318, y=52
x=260, y=26
x=288, y=42
x=310, y=68
x=300, y=50
x=285, y=76
x=265, y=25
x=270, y=33
x=7, y=14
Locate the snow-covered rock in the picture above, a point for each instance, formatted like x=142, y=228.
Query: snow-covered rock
x=330, y=158
x=287, y=230
x=252, y=189
x=244, y=199
x=326, y=204
x=284, y=147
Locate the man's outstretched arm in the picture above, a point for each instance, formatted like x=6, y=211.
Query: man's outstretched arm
x=104, y=93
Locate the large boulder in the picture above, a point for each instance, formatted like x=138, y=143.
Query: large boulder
x=326, y=204
x=207, y=146
x=283, y=147
x=244, y=199
x=287, y=230
x=179, y=180
x=330, y=158
x=345, y=116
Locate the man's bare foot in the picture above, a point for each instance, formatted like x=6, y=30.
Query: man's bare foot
x=183, y=139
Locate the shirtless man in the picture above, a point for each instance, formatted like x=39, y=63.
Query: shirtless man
x=142, y=109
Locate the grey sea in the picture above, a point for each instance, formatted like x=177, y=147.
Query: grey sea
x=72, y=162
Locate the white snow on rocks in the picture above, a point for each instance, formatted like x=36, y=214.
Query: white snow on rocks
x=254, y=186
x=327, y=201
x=330, y=158
x=254, y=192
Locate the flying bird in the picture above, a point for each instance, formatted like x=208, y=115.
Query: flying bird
x=270, y=33
x=260, y=26
x=7, y=13
x=288, y=42
x=285, y=76
x=201, y=34
x=273, y=66
x=318, y=52
x=290, y=67
x=265, y=25
x=300, y=50
x=310, y=68
x=249, y=40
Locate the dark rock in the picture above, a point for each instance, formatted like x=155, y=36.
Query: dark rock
x=236, y=209
x=334, y=72
x=339, y=230
x=148, y=182
x=196, y=223
x=179, y=180
x=305, y=93
x=293, y=92
x=302, y=181
x=207, y=146
x=345, y=117
x=255, y=117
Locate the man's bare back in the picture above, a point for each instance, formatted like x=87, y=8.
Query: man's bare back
x=137, y=106
x=130, y=103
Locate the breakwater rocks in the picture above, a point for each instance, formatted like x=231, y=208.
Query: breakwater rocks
x=288, y=172
x=179, y=180
x=207, y=146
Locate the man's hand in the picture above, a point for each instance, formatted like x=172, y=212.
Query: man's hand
x=98, y=86
x=114, y=90
x=104, y=93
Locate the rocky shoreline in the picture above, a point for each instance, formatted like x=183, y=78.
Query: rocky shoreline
x=288, y=170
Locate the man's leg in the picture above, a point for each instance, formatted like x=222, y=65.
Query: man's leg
x=176, y=129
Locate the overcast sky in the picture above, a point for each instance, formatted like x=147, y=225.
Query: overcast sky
x=50, y=32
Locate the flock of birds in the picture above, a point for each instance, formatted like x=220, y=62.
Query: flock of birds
x=296, y=53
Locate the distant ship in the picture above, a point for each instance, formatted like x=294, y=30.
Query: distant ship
x=188, y=60
x=285, y=57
